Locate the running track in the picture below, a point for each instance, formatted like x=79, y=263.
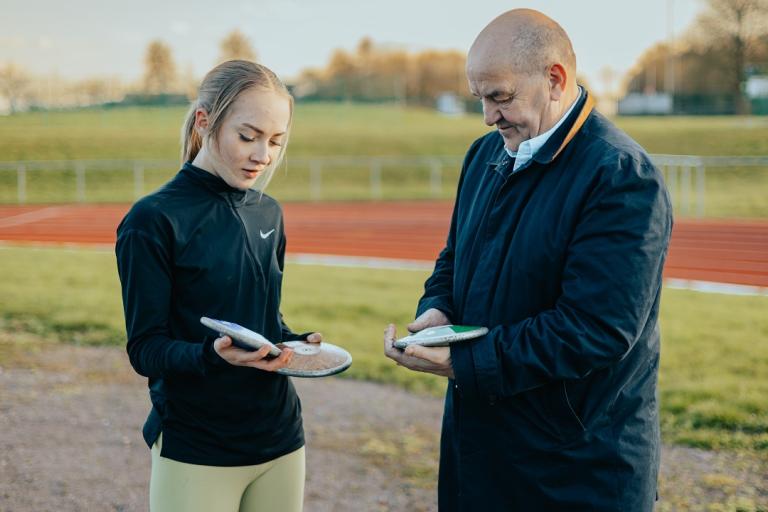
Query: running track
x=734, y=252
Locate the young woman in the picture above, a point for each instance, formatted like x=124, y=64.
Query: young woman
x=225, y=430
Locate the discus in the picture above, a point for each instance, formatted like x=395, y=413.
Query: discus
x=241, y=337
x=441, y=336
x=309, y=359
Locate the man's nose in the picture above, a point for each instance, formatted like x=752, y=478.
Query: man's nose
x=491, y=114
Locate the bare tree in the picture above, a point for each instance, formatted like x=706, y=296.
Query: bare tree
x=712, y=59
x=93, y=90
x=159, y=68
x=733, y=27
x=236, y=46
x=189, y=82
x=13, y=84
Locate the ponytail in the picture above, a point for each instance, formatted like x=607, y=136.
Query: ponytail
x=191, y=142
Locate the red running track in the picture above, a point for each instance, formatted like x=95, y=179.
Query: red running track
x=721, y=251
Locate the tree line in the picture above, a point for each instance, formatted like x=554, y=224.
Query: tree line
x=376, y=73
x=162, y=77
x=712, y=60
x=709, y=63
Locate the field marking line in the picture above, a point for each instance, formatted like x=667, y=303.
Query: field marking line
x=57, y=246
x=715, y=287
x=332, y=260
x=29, y=217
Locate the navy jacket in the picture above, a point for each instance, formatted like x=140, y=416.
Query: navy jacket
x=555, y=408
x=194, y=248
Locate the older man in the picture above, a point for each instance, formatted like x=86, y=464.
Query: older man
x=557, y=243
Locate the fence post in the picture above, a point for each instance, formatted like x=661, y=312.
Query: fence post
x=700, y=177
x=685, y=190
x=375, y=178
x=80, y=181
x=21, y=183
x=672, y=184
x=436, y=177
x=315, y=179
x=138, y=180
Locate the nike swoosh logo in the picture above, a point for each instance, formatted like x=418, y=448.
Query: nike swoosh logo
x=264, y=235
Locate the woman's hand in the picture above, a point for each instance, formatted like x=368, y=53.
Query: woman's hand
x=257, y=359
x=315, y=337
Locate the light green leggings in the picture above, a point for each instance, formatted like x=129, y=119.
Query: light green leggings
x=277, y=485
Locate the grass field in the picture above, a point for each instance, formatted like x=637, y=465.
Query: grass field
x=714, y=374
x=351, y=130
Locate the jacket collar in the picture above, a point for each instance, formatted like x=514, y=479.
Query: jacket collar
x=557, y=142
x=213, y=183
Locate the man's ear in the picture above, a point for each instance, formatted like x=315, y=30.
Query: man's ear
x=201, y=122
x=558, y=78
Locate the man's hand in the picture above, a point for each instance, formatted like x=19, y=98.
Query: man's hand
x=257, y=359
x=435, y=360
x=430, y=318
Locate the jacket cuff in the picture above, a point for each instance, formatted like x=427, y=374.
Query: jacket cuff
x=486, y=366
x=211, y=359
x=463, y=369
x=297, y=337
x=434, y=302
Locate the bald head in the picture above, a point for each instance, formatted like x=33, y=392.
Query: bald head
x=523, y=41
x=523, y=69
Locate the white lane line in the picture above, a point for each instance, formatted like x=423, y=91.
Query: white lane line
x=56, y=246
x=29, y=217
x=331, y=260
x=714, y=287
x=421, y=265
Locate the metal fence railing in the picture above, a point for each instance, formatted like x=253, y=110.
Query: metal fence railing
x=311, y=173
x=685, y=176
x=79, y=168
x=374, y=177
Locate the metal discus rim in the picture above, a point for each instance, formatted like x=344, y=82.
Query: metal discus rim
x=455, y=334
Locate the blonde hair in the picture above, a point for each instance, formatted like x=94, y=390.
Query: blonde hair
x=218, y=91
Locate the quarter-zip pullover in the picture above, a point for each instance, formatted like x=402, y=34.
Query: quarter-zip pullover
x=197, y=247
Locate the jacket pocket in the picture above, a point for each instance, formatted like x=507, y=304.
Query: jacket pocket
x=562, y=416
x=575, y=417
x=550, y=411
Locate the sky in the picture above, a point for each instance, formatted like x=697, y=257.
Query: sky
x=84, y=38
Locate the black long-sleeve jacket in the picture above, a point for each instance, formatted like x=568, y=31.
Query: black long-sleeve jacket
x=197, y=247
x=555, y=408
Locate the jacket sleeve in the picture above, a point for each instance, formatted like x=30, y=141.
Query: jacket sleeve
x=438, y=289
x=610, y=281
x=144, y=267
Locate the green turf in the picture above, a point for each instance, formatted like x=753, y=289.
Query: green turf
x=153, y=133
x=699, y=135
x=714, y=373
x=322, y=130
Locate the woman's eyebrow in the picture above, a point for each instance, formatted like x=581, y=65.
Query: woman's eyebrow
x=258, y=130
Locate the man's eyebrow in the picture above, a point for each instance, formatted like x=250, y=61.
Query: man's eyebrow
x=259, y=130
x=497, y=93
x=493, y=94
